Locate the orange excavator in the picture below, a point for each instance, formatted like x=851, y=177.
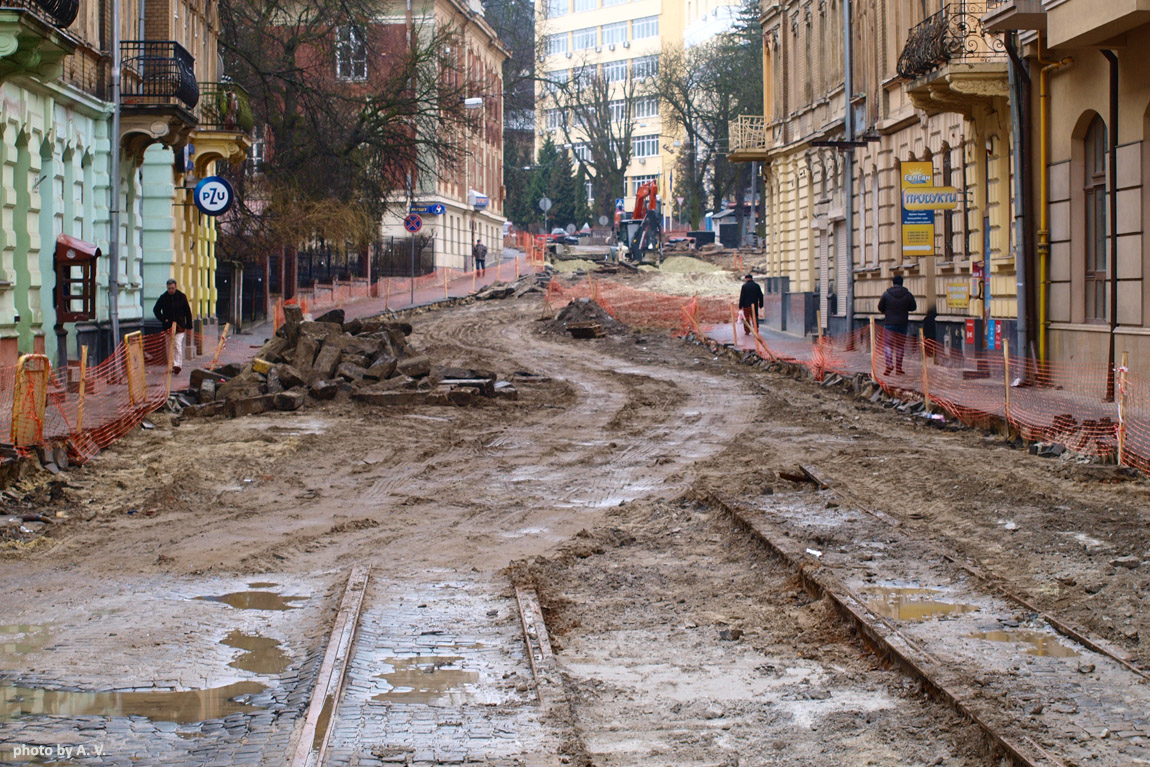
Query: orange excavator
x=643, y=232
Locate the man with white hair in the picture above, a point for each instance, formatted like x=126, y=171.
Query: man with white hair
x=173, y=308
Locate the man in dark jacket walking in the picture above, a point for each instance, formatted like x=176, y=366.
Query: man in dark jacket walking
x=750, y=301
x=172, y=308
x=896, y=304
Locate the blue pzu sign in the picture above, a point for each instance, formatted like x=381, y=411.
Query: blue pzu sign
x=214, y=195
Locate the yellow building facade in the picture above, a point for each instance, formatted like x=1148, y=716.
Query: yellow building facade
x=909, y=104
x=1090, y=113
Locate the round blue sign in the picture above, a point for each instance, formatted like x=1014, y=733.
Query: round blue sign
x=214, y=195
x=413, y=223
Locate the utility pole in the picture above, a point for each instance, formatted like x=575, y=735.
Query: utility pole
x=849, y=166
x=114, y=182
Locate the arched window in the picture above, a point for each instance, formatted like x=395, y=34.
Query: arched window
x=1097, y=242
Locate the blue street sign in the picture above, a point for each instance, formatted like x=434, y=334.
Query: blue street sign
x=618, y=203
x=413, y=223
x=213, y=196
x=428, y=208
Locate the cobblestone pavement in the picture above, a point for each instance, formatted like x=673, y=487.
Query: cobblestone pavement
x=439, y=676
x=232, y=716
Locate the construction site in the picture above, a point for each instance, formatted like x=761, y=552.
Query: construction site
x=572, y=512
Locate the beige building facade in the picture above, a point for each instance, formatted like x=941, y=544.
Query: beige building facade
x=1093, y=257
x=910, y=103
x=472, y=192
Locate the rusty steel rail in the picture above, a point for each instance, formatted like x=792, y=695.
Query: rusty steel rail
x=1079, y=635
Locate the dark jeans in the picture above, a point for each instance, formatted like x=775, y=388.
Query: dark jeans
x=894, y=340
x=480, y=265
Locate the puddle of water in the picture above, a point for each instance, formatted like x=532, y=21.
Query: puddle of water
x=911, y=604
x=1041, y=644
x=262, y=585
x=27, y=638
x=182, y=706
x=255, y=600
x=426, y=679
x=262, y=656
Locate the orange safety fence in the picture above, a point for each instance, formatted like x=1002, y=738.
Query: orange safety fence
x=87, y=408
x=1089, y=409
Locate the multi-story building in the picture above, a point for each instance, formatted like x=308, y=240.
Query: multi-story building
x=620, y=42
x=1087, y=132
x=56, y=153
x=471, y=190
x=929, y=88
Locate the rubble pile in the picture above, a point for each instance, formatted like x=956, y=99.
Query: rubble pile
x=584, y=318
x=369, y=361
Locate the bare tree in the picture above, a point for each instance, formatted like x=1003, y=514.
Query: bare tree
x=702, y=89
x=348, y=106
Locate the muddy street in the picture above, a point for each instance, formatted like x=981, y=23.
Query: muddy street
x=702, y=604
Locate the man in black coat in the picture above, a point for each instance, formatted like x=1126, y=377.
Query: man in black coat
x=896, y=304
x=750, y=301
x=172, y=308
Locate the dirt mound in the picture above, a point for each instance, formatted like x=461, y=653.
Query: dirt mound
x=687, y=265
x=583, y=310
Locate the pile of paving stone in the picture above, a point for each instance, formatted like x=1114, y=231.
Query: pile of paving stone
x=369, y=361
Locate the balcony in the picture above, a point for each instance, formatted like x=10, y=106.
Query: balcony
x=158, y=93
x=35, y=43
x=750, y=138
x=1010, y=15
x=224, y=125
x=953, y=62
x=60, y=12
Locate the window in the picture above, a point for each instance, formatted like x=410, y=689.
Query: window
x=615, y=71
x=583, y=76
x=556, y=79
x=618, y=108
x=556, y=44
x=614, y=33
x=645, y=146
x=647, y=66
x=637, y=181
x=554, y=118
x=350, y=53
x=585, y=5
x=582, y=152
x=647, y=106
x=590, y=195
x=1096, y=222
x=607, y=3
x=556, y=8
x=585, y=38
x=645, y=27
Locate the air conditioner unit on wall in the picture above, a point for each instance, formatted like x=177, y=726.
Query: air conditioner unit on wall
x=642, y=160
x=568, y=54
x=598, y=49
x=626, y=43
x=611, y=47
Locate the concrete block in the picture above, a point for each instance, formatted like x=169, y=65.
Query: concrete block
x=199, y=375
x=350, y=372
x=293, y=317
x=273, y=349
x=238, y=408
x=416, y=367
x=305, y=351
x=290, y=400
x=324, y=389
x=289, y=376
x=273, y=385
x=504, y=390
x=382, y=368
x=207, y=390
x=326, y=362
x=318, y=331
x=334, y=316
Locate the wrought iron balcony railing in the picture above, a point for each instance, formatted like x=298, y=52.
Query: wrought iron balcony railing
x=157, y=71
x=953, y=34
x=749, y=133
x=61, y=12
x=224, y=106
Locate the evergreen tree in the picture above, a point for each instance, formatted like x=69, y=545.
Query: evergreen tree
x=567, y=194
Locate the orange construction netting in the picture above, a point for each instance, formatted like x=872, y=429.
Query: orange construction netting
x=1090, y=409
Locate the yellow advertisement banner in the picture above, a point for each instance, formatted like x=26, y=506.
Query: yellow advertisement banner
x=958, y=295
x=917, y=224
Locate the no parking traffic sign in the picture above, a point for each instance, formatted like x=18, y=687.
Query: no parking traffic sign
x=413, y=223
